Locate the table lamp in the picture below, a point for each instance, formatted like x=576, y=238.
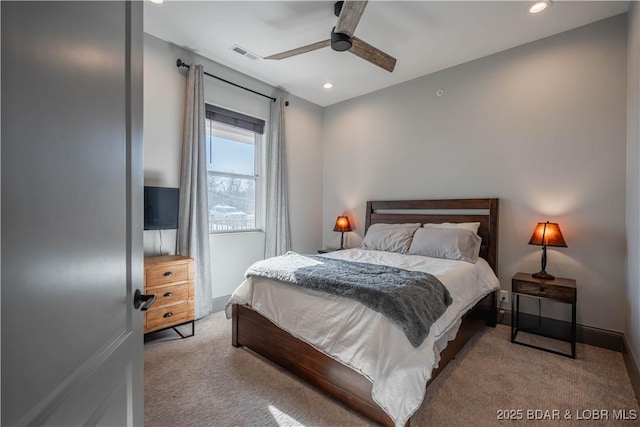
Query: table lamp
x=342, y=225
x=546, y=234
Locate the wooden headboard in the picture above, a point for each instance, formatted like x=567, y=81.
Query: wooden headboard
x=451, y=210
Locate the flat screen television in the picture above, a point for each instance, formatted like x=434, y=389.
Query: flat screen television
x=161, y=206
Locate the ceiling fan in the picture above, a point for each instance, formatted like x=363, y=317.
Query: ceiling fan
x=342, y=39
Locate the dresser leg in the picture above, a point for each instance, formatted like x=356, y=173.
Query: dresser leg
x=193, y=330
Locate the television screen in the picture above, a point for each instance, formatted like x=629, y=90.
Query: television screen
x=161, y=206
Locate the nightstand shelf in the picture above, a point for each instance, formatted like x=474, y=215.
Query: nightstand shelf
x=559, y=290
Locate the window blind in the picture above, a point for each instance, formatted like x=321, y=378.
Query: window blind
x=233, y=118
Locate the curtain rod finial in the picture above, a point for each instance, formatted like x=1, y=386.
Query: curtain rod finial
x=180, y=63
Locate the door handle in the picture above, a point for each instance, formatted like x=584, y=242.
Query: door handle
x=142, y=301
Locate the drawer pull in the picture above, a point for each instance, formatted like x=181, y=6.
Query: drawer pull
x=168, y=274
x=168, y=294
x=169, y=314
x=541, y=288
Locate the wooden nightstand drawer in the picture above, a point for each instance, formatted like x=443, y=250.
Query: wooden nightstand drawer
x=170, y=294
x=162, y=317
x=559, y=293
x=158, y=275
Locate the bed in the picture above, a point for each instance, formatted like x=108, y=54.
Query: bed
x=322, y=363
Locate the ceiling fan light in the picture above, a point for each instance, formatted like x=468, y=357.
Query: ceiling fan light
x=539, y=6
x=340, y=42
x=327, y=85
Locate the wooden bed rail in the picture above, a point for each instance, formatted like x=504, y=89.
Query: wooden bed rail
x=257, y=333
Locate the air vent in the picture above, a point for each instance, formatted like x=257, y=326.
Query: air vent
x=244, y=52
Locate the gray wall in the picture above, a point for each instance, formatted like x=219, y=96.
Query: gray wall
x=164, y=87
x=541, y=126
x=632, y=327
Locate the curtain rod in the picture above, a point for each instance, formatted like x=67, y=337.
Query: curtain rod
x=179, y=64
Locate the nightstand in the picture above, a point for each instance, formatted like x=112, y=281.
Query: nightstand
x=560, y=290
x=171, y=279
x=327, y=250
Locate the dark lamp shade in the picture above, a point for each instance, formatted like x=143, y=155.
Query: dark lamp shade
x=342, y=224
x=547, y=234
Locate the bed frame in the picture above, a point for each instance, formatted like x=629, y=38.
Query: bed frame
x=252, y=330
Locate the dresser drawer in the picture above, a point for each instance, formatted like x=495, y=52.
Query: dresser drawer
x=162, y=317
x=559, y=293
x=158, y=275
x=170, y=294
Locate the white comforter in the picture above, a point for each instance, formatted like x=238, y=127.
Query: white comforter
x=366, y=340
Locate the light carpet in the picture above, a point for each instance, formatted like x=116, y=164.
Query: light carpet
x=204, y=381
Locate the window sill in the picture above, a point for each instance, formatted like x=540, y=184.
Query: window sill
x=230, y=232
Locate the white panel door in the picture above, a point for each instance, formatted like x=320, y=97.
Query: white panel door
x=71, y=231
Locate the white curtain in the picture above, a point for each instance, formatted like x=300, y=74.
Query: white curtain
x=193, y=227
x=277, y=235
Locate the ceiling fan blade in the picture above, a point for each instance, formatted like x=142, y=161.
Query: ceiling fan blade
x=374, y=55
x=350, y=16
x=298, y=51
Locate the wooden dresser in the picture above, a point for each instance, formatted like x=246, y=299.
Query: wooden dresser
x=171, y=279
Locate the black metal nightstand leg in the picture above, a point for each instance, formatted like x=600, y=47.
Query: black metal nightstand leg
x=573, y=330
x=513, y=318
x=517, y=311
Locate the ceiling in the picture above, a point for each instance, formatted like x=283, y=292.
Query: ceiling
x=424, y=36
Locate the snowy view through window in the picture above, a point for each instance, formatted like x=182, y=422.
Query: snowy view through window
x=232, y=173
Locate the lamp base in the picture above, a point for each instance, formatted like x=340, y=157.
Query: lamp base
x=543, y=275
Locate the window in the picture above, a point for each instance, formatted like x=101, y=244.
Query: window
x=233, y=143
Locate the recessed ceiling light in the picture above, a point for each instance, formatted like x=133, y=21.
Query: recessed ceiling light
x=539, y=6
x=327, y=86
x=156, y=1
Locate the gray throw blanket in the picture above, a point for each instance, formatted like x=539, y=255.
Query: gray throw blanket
x=413, y=299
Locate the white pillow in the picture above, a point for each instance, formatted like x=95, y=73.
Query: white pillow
x=389, y=237
x=449, y=243
x=473, y=226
